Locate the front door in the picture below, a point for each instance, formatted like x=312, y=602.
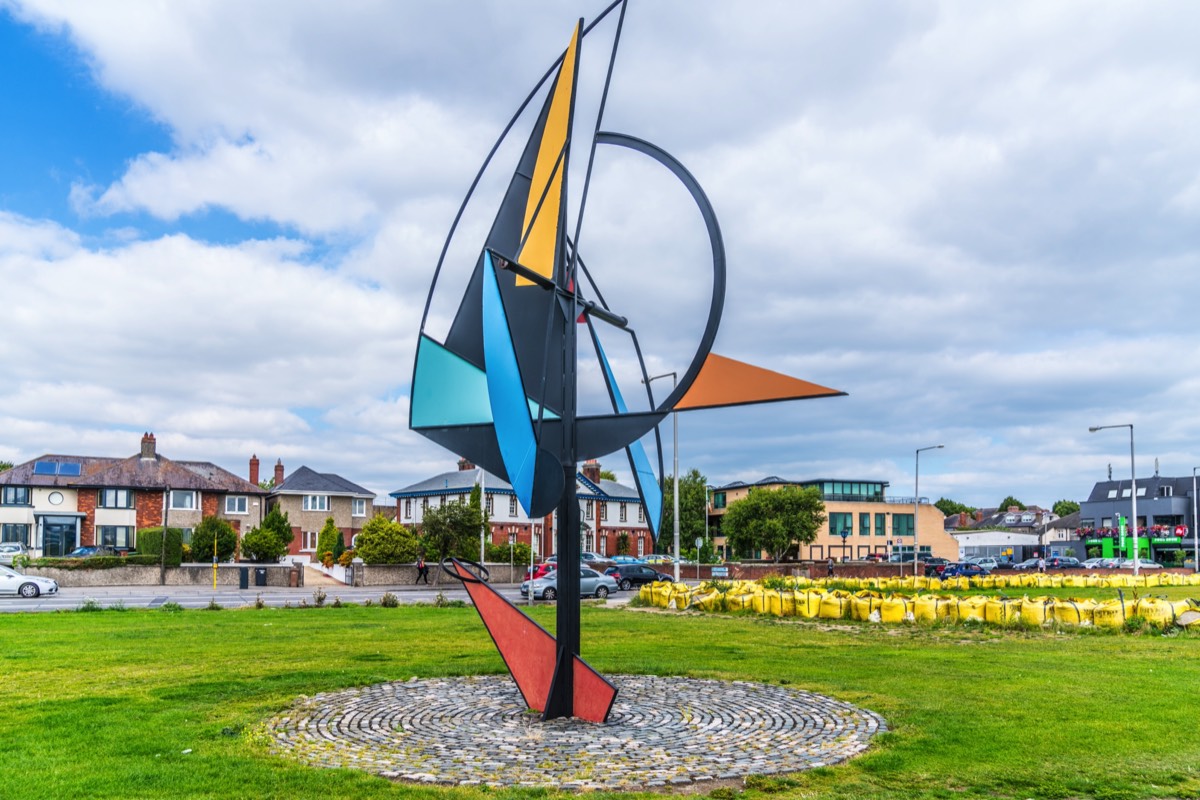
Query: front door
x=58, y=538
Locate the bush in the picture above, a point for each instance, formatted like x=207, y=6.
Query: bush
x=211, y=528
x=326, y=539
x=498, y=553
x=262, y=545
x=150, y=543
x=345, y=558
x=383, y=541
x=388, y=600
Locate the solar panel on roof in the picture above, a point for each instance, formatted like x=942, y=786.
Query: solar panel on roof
x=45, y=468
x=70, y=470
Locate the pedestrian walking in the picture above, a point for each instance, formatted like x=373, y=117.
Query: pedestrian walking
x=1041, y=564
x=830, y=567
x=422, y=570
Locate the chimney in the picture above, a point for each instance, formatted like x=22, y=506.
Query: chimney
x=465, y=465
x=962, y=519
x=591, y=470
x=278, y=472
x=148, y=446
x=254, y=469
x=978, y=516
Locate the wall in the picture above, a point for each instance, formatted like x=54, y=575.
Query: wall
x=187, y=575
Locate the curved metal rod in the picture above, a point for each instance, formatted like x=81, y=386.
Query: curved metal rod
x=480, y=568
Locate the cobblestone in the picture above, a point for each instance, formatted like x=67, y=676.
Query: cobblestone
x=662, y=732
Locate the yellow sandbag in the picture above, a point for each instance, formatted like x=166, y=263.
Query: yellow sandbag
x=987, y=582
x=707, y=601
x=1074, y=581
x=740, y=602
x=1156, y=611
x=921, y=582
x=646, y=593
x=947, y=608
x=1109, y=614
x=895, y=609
x=1036, y=610
x=773, y=602
x=1001, y=581
x=1073, y=611
x=935, y=584
x=834, y=605
x=925, y=608
x=1000, y=610
x=808, y=603
x=761, y=603
x=971, y=609
x=863, y=604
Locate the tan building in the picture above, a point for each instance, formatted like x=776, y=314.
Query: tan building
x=309, y=498
x=873, y=523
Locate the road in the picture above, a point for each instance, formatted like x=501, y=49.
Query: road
x=72, y=598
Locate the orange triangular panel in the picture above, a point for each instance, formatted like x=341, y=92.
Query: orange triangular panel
x=725, y=382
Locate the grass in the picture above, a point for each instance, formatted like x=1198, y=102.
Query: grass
x=147, y=704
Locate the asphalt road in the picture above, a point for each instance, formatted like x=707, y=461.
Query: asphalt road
x=71, y=598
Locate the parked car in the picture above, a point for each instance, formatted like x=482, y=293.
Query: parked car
x=541, y=570
x=1027, y=564
x=987, y=562
x=591, y=584
x=1145, y=563
x=10, y=551
x=1095, y=563
x=91, y=551
x=658, y=558
x=1063, y=562
x=876, y=556
x=963, y=570
x=586, y=555
x=625, y=560
x=14, y=583
x=629, y=575
x=934, y=566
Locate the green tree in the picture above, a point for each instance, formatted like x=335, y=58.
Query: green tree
x=268, y=484
x=693, y=510
x=263, y=546
x=5, y=466
x=277, y=523
x=475, y=501
x=952, y=507
x=209, y=529
x=150, y=543
x=500, y=554
x=772, y=519
x=450, y=530
x=1064, y=507
x=608, y=475
x=327, y=539
x=1008, y=502
x=384, y=541
x=623, y=543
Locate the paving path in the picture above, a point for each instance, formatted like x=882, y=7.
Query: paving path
x=662, y=733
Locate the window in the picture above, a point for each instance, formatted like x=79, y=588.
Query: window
x=488, y=504
x=587, y=509
x=120, y=498
x=603, y=545
x=881, y=524
x=604, y=511
x=15, y=496
x=1166, y=491
x=623, y=514
x=15, y=532
x=316, y=502
x=408, y=508
x=840, y=521
x=1112, y=494
x=358, y=507
x=309, y=542
x=424, y=504
x=120, y=536
x=235, y=504
x=184, y=500
x=641, y=546
x=641, y=513
x=512, y=506
x=1141, y=491
x=719, y=500
x=864, y=524
x=902, y=524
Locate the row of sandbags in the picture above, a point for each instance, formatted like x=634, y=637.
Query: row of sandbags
x=872, y=606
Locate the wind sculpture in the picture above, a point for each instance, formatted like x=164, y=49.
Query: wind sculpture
x=501, y=388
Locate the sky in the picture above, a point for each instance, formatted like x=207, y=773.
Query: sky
x=219, y=222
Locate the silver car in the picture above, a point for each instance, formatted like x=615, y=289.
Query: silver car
x=14, y=583
x=591, y=584
x=10, y=551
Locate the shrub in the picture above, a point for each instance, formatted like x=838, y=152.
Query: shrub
x=170, y=607
x=325, y=539
x=319, y=597
x=383, y=541
x=389, y=600
x=150, y=543
x=262, y=545
x=499, y=553
x=345, y=558
x=91, y=604
x=211, y=528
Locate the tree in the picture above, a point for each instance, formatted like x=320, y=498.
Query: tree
x=608, y=475
x=476, y=503
x=277, y=523
x=451, y=530
x=1065, y=507
x=772, y=519
x=384, y=541
x=952, y=507
x=5, y=466
x=263, y=546
x=693, y=509
x=268, y=484
x=327, y=539
x=1009, y=502
x=623, y=543
x=211, y=528
x=150, y=543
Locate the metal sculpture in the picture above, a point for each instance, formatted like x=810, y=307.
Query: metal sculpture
x=501, y=388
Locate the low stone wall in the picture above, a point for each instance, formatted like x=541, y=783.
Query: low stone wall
x=399, y=574
x=185, y=575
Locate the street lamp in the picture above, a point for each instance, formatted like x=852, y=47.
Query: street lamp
x=675, y=457
x=1195, y=527
x=1132, y=492
x=917, y=499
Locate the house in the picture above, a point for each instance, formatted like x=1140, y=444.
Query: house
x=309, y=498
x=58, y=502
x=1164, y=516
x=608, y=510
x=872, y=522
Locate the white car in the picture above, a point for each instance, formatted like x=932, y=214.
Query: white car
x=14, y=583
x=987, y=562
x=9, y=551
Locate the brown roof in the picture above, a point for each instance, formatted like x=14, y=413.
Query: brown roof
x=134, y=472
x=23, y=474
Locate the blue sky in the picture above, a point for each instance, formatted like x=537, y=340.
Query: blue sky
x=979, y=222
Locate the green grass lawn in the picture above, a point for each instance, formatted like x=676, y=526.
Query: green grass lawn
x=106, y=704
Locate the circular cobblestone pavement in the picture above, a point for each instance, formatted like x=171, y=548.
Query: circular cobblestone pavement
x=662, y=732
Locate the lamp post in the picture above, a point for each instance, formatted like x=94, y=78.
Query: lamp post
x=1195, y=527
x=675, y=468
x=1132, y=492
x=917, y=498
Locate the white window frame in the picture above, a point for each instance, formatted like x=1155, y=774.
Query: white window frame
x=408, y=508
x=240, y=504
x=180, y=494
x=623, y=513
x=512, y=506
x=358, y=507
x=315, y=502
x=118, y=495
x=308, y=541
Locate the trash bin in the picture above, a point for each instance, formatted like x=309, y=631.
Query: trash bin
x=243, y=577
x=260, y=576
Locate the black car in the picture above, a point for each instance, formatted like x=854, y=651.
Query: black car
x=934, y=566
x=629, y=575
x=1063, y=562
x=963, y=570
